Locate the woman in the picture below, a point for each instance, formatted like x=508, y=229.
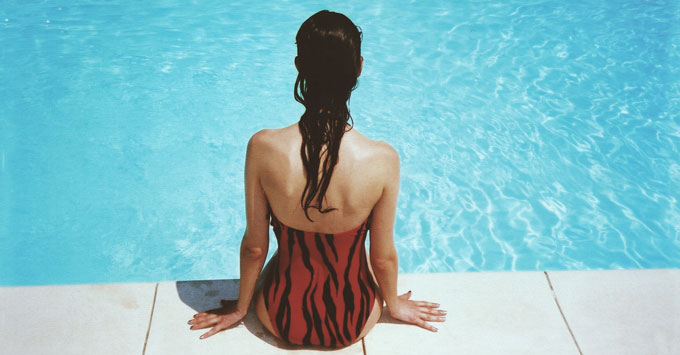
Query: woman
x=322, y=185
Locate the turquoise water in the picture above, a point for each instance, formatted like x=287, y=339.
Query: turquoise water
x=533, y=135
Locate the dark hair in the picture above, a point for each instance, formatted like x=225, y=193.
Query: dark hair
x=328, y=62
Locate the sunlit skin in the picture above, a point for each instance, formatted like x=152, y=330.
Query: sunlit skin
x=365, y=183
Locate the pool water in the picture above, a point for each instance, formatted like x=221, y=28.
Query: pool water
x=533, y=135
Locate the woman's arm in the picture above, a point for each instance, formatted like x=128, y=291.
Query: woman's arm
x=384, y=255
x=254, y=245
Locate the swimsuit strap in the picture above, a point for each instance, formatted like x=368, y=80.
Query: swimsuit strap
x=276, y=222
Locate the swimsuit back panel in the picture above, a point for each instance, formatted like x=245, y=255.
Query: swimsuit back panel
x=319, y=290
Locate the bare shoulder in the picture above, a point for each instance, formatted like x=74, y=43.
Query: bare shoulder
x=375, y=150
x=261, y=139
x=270, y=139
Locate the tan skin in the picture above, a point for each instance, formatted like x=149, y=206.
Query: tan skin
x=365, y=180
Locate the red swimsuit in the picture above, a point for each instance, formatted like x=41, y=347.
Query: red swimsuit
x=319, y=290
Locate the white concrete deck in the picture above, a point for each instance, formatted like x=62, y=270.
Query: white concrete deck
x=588, y=312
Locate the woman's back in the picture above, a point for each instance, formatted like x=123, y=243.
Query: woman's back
x=364, y=167
x=319, y=290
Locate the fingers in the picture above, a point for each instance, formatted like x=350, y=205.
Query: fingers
x=216, y=329
x=426, y=304
x=431, y=318
x=421, y=323
x=218, y=322
x=203, y=320
x=434, y=312
x=429, y=313
x=432, y=315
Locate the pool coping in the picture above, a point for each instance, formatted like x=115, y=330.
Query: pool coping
x=557, y=312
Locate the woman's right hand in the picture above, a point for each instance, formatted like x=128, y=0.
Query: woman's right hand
x=217, y=319
x=417, y=312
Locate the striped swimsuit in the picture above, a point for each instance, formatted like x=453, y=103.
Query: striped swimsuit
x=319, y=290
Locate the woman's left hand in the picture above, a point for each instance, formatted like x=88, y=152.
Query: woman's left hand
x=219, y=319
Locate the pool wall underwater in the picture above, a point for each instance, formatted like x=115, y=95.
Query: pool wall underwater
x=533, y=135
